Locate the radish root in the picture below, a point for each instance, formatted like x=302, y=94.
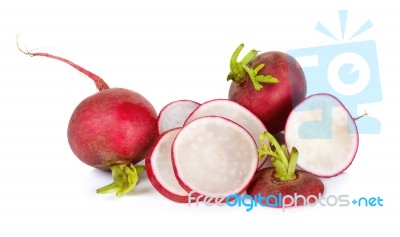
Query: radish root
x=100, y=83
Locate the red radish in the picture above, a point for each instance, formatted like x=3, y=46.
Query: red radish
x=235, y=112
x=174, y=114
x=214, y=157
x=160, y=171
x=325, y=133
x=270, y=85
x=112, y=129
x=283, y=180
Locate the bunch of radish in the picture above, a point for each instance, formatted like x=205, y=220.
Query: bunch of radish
x=219, y=147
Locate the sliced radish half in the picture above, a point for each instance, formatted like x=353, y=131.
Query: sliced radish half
x=235, y=112
x=324, y=133
x=174, y=114
x=214, y=157
x=159, y=168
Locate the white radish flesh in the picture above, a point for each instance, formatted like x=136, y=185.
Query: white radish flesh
x=324, y=133
x=174, y=114
x=159, y=168
x=214, y=156
x=235, y=112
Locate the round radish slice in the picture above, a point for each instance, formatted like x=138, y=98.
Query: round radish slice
x=235, y=112
x=174, y=114
x=324, y=133
x=159, y=168
x=214, y=157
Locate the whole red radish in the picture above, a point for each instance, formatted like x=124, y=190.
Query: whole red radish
x=283, y=180
x=270, y=85
x=111, y=129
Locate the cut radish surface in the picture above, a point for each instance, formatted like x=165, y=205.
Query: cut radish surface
x=159, y=168
x=174, y=114
x=235, y=112
x=324, y=133
x=214, y=156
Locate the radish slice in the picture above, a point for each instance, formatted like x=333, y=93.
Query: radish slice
x=324, y=133
x=159, y=168
x=174, y=114
x=235, y=112
x=214, y=157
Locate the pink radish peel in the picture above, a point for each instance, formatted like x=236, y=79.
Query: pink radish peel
x=111, y=130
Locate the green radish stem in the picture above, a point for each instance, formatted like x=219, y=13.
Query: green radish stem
x=125, y=179
x=239, y=70
x=283, y=161
x=100, y=83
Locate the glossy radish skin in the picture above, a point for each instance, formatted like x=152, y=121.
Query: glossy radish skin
x=235, y=112
x=112, y=129
x=215, y=157
x=266, y=183
x=113, y=126
x=325, y=133
x=160, y=171
x=280, y=87
x=174, y=114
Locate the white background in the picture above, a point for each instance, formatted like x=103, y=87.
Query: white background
x=169, y=50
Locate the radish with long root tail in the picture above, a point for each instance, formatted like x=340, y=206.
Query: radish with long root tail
x=112, y=129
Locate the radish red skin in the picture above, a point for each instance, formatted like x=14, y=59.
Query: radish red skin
x=272, y=103
x=265, y=183
x=112, y=129
x=113, y=126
